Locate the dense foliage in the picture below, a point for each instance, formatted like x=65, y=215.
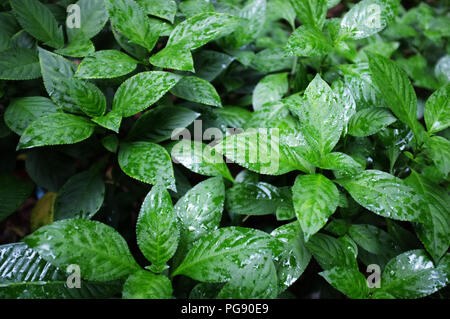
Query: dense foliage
x=118, y=164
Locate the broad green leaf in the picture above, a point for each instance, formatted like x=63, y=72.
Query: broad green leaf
x=295, y=258
x=271, y=60
x=260, y=198
x=176, y=57
x=106, y=64
x=162, y=9
x=38, y=21
x=384, y=195
x=26, y=275
x=311, y=12
x=111, y=143
x=217, y=256
x=256, y=280
x=270, y=89
x=56, y=129
x=315, y=199
x=137, y=51
x=205, y=290
x=145, y=285
x=332, y=252
x=162, y=123
x=111, y=121
x=308, y=41
x=78, y=49
x=142, y=90
x=98, y=249
x=13, y=192
x=442, y=69
x=19, y=64
x=200, y=158
x=156, y=229
x=349, y=281
x=200, y=209
x=210, y=64
x=413, y=275
x=369, y=121
x=81, y=197
x=128, y=17
x=321, y=117
x=396, y=89
x=93, y=18
x=197, y=90
x=341, y=162
x=284, y=10
x=86, y=96
x=437, y=110
x=5, y=41
x=439, y=149
x=21, y=112
x=147, y=162
x=367, y=18
x=435, y=232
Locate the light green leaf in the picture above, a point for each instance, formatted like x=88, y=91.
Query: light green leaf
x=13, y=192
x=437, y=110
x=19, y=64
x=86, y=96
x=200, y=158
x=349, y=281
x=81, y=196
x=111, y=121
x=78, y=49
x=156, y=229
x=106, y=64
x=142, y=90
x=369, y=121
x=341, y=162
x=176, y=57
x=197, y=90
x=145, y=285
x=21, y=112
x=38, y=21
x=128, y=17
x=385, y=195
x=56, y=129
x=308, y=41
x=25, y=275
x=311, y=12
x=147, y=162
x=98, y=249
x=439, y=150
x=315, y=199
x=93, y=18
x=161, y=9
x=270, y=89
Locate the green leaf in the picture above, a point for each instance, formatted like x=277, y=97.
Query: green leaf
x=13, y=192
x=271, y=60
x=311, y=12
x=270, y=89
x=210, y=64
x=161, y=123
x=21, y=112
x=176, y=57
x=145, y=285
x=369, y=121
x=81, y=197
x=156, y=229
x=161, y=9
x=19, y=64
x=439, y=150
x=92, y=20
x=197, y=90
x=308, y=41
x=341, y=162
x=86, y=96
x=106, y=64
x=435, y=232
x=56, y=129
x=200, y=209
x=256, y=280
x=260, y=198
x=98, y=249
x=367, y=18
x=78, y=49
x=385, y=195
x=200, y=158
x=413, y=275
x=25, y=275
x=321, y=117
x=437, y=110
x=111, y=121
x=330, y=252
x=147, y=162
x=349, y=281
x=128, y=17
x=38, y=21
x=218, y=255
x=396, y=89
x=142, y=90
x=315, y=199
